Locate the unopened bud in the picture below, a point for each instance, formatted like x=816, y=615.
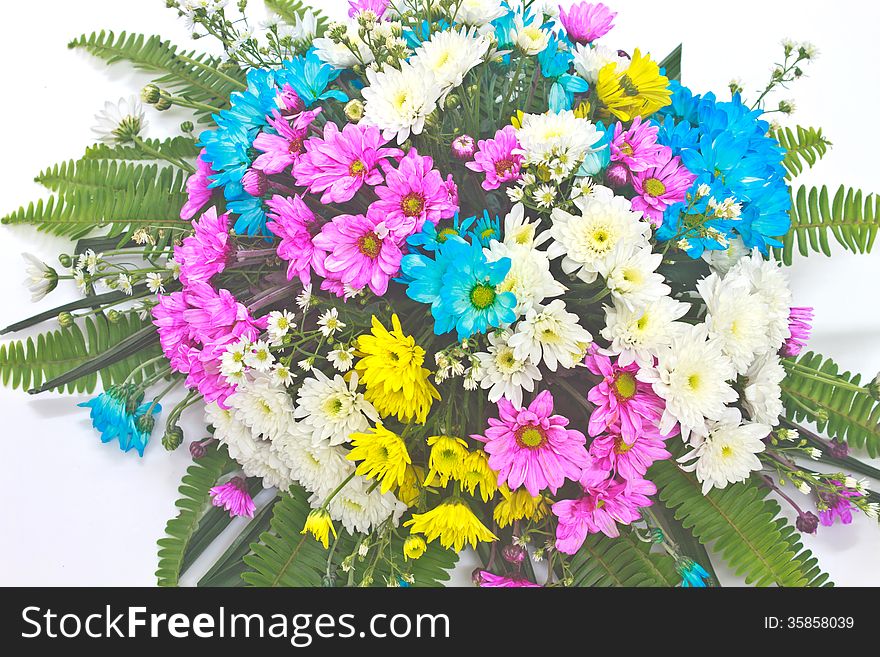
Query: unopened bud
x=65, y=319
x=113, y=316
x=354, y=110
x=187, y=127
x=164, y=101
x=65, y=260
x=151, y=94
x=173, y=437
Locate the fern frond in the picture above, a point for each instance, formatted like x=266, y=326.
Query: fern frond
x=815, y=386
x=851, y=217
x=194, y=502
x=740, y=524
x=621, y=561
x=290, y=10
x=173, y=147
x=803, y=148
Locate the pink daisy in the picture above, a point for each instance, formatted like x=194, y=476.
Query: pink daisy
x=836, y=505
x=216, y=315
x=637, y=146
x=204, y=375
x=197, y=191
x=413, y=194
x=485, y=579
x=463, y=147
x=361, y=251
x=174, y=332
x=342, y=162
x=660, y=186
x=283, y=149
x=621, y=401
x=234, y=497
x=531, y=447
x=611, y=453
x=585, y=22
x=293, y=221
x=205, y=253
x=496, y=158
x=378, y=7
x=799, y=323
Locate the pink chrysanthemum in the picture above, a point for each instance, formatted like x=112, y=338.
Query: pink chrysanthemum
x=585, y=22
x=622, y=402
x=413, y=194
x=198, y=192
x=295, y=224
x=378, y=7
x=532, y=447
x=800, y=325
x=204, y=375
x=452, y=190
x=629, y=460
x=660, y=186
x=283, y=149
x=205, y=253
x=485, y=579
x=361, y=251
x=290, y=101
x=463, y=147
x=342, y=162
x=637, y=146
x=216, y=315
x=174, y=332
x=234, y=497
x=603, y=504
x=496, y=158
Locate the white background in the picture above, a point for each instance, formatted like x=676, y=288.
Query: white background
x=77, y=512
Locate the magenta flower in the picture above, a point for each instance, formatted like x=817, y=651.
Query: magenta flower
x=496, y=158
x=290, y=101
x=485, y=579
x=611, y=453
x=463, y=147
x=295, y=224
x=413, y=194
x=452, y=190
x=361, y=251
x=637, y=146
x=234, y=497
x=216, y=315
x=585, y=22
x=204, y=375
x=836, y=505
x=174, y=332
x=283, y=149
x=623, y=403
x=205, y=253
x=531, y=447
x=660, y=186
x=197, y=188
x=799, y=323
x=255, y=182
x=378, y=7
x=342, y=162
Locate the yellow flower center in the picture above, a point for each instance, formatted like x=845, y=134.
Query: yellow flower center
x=627, y=148
x=482, y=296
x=726, y=451
x=621, y=446
x=625, y=385
x=356, y=168
x=504, y=166
x=412, y=204
x=654, y=187
x=628, y=87
x=369, y=245
x=444, y=234
x=531, y=436
x=693, y=381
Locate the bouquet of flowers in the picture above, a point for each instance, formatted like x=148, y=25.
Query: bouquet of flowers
x=456, y=273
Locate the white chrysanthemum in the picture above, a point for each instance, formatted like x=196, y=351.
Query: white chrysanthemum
x=262, y=405
x=360, y=511
x=588, y=61
x=722, y=261
x=280, y=323
x=530, y=39
x=333, y=408
x=736, y=317
x=638, y=335
x=399, y=101
x=551, y=334
x=632, y=277
x=589, y=242
x=479, y=12
x=770, y=284
x=259, y=356
x=729, y=453
x=502, y=373
x=529, y=277
x=340, y=55
x=450, y=54
x=304, y=28
x=226, y=427
x=342, y=358
x=762, y=395
x=691, y=375
x=119, y=123
x=317, y=467
x=519, y=230
x=558, y=137
x=329, y=322
x=41, y=278
x=266, y=465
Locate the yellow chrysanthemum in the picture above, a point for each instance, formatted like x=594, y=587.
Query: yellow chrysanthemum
x=517, y=505
x=582, y=111
x=390, y=367
x=413, y=547
x=640, y=90
x=382, y=455
x=475, y=471
x=409, y=490
x=453, y=523
x=446, y=458
x=319, y=525
x=516, y=119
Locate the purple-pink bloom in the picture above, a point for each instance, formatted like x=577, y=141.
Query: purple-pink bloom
x=174, y=332
x=585, y=22
x=295, y=224
x=413, y=193
x=216, y=315
x=660, y=186
x=204, y=253
x=836, y=504
x=234, y=497
x=378, y=7
x=496, y=158
x=532, y=447
x=361, y=251
x=283, y=149
x=800, y=324
x=637, y=146
x=255, y=182
x=340, y=163
x=463, y=147
x=290, y=101
x=197, y=191
x=485, y=579
x=630, y=461
x=204, y=375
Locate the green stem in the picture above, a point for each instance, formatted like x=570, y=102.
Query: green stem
x=144, y=146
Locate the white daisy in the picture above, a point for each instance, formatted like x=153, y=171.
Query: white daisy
x=450, y=54
x=471, y=379
x=342, y=358
x=121, y=122
x=589, y=60
x=399, y=101
x=544, y=196
x=770, y=284
x=479, y=12
x=304, y=298
x=329, y=322
x=333, y=408
x=89, y=260
x=692, y=375
x=319, y=468
x=551, y=334
x=529, y=276
x=232, y=359
x=155, y=284
x=306, y=364
x=262, y=405
x=729, y=453
x=259, y=356
x=174, y=267
x=360, y=511
x=519, y=230
x=639, y=335
x=282, y=375
x=304, y=27
x=280, y=323
x=561, y=137
x=40, y=277
x=722, y=261
x=530, y=39
x=502, y=373
x=762, y=395
x=79, y=277
x=632, y=277
x=123, y=282
x=339, y=55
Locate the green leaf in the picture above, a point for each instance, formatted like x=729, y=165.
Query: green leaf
x=803, y=147
x=175, y=147
x=687, y=543
x=291, y=10
x=672, y=64
x=621, y=561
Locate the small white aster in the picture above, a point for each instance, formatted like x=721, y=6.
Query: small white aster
x=329, y=322
x=155, y=283
x=502, y=373
x=342, y=358
x=259, y=356
x=123, y=282
x=279, y=324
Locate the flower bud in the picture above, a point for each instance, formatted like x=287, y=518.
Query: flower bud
x=617, y=175
x=65, y=319
x=807, y=522
x=187, y=127
x=463, y=147
x=514, y=554
x=255, y=182
x=354, y=110
x=164, y=101
x=151, y=94
x=113, y=316
x=198, y=449
x=65, y=260
x=838, y=449
x=173, y=437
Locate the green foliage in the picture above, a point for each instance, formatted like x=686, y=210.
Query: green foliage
x=672, y=64
x=740, y=524
x=622, y=561
x=194, y=502
x=803, y=147
x=290, y=10
x=29, y=363
x=851, y=217
x=173, y=147
x=852, y=416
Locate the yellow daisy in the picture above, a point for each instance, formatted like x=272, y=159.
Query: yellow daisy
x=475, y=471
x=413, y=547
x=640, y=90
x=446, y=458
x=453, y=523
x=319, y=525
x=382, y=455
x=517, y=505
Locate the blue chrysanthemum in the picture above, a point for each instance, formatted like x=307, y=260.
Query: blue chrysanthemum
x=431, y=237
x=119, y=414
x=310, y=77
x=488, y=228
